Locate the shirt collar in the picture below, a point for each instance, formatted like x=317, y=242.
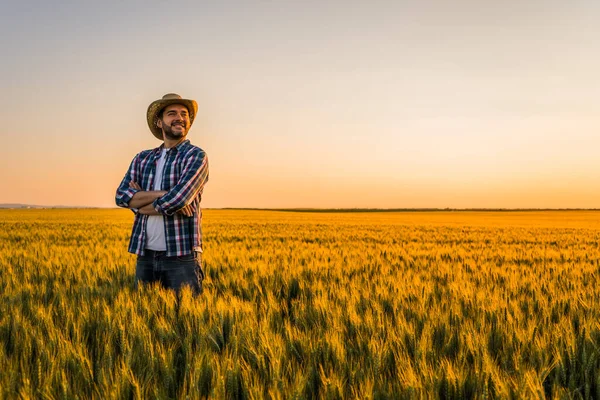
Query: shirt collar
x=156, y=152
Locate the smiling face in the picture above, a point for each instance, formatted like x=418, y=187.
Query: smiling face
x=174, y=122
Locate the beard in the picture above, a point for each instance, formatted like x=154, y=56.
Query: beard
x=174, y=135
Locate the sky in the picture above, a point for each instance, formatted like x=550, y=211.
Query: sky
x=336, y=104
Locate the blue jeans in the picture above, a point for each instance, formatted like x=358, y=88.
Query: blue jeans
x=170, y=272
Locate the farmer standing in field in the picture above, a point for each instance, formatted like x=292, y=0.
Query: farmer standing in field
x=163, y=187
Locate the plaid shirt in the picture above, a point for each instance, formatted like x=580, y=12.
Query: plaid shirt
x=184, y=177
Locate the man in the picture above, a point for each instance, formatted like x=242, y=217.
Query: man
x=163, y=187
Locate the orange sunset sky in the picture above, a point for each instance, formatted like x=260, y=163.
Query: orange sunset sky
x=309, y=104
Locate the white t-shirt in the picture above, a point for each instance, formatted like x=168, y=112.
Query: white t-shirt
x=155, y=228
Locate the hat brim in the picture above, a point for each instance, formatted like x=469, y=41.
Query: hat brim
x=155, y=107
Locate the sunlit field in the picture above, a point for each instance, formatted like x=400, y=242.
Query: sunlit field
x=306, y=305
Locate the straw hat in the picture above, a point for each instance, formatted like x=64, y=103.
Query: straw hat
x=157, y=106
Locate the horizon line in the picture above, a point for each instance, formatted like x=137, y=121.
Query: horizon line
x=19, y=206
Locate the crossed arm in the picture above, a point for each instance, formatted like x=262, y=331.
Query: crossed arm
x=158, y=202
x=142, y=200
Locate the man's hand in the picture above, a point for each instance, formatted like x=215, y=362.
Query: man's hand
x=134, y=185
x=185, y=211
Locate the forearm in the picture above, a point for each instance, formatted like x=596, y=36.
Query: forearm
x=148, y=209
x=143, y=198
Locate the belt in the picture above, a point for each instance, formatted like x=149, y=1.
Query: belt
x=155, y=252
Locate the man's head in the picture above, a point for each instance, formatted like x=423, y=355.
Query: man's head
x=172, y=116
x=174, y=120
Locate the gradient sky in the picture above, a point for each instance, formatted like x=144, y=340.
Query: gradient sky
x=308, y=103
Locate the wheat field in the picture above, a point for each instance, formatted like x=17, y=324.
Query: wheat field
x=306, y=305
